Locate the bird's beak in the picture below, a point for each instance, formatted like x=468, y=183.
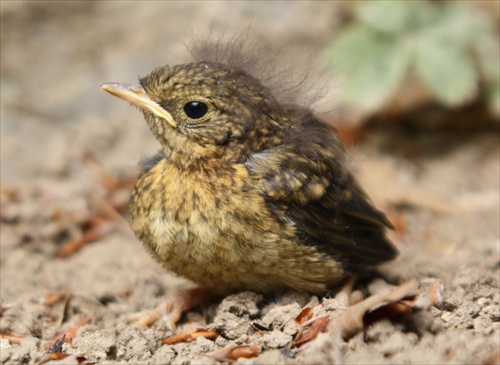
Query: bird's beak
x=136, y=95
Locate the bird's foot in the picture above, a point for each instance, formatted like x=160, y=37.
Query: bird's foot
x=171, y=310
x=345, y=296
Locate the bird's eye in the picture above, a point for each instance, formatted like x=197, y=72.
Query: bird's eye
x=195, y=109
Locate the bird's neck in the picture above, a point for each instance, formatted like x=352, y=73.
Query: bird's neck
x=187, y=154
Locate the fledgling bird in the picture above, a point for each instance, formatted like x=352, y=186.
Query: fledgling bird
x=249, y=191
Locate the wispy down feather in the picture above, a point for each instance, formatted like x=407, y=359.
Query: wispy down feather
x=294, y=76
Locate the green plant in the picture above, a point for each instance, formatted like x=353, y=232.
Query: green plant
x=435, y=41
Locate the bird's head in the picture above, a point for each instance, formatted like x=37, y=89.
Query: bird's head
x=205, y=110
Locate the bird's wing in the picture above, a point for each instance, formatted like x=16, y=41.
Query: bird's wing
x=305, y=180
x=146, y=164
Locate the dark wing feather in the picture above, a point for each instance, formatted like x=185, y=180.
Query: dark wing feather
x=146, y=164
x=305, y=177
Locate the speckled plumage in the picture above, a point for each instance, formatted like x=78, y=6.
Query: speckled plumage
x=253, y=195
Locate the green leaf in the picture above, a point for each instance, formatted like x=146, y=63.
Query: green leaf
x=387, y=16
x=373, y=64
x=458, y=24
x=494, y=99
x=447, y=70
x=488, y=51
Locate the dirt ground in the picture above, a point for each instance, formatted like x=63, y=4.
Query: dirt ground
x=68, y=161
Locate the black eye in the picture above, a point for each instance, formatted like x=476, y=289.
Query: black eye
x=195, y=109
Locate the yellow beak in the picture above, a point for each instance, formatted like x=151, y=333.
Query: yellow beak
x=136, y=95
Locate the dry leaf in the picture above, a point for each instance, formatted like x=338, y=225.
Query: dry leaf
x=231, y=354
x=58, y=355
x=61, y=356
x=436, y=292
x=350, y=134
x=351, y=321
x=318, y=326
x=389, y=310
x=304, y=315
x=93, y=234
x=9, y=194
x=191, y=336
x=55, y=298
x=106, y=179
x=12, y=337
x=71, y=333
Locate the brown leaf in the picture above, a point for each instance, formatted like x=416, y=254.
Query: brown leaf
x=58, y=355
x=108, y=211
x=191, y=336
x=12, y=336
x=61, y=356
x=55, y=298
x=108, y=180
x=436, y=292
x=231, y=354
x=91, y=235
x=71, y=333
x=389, y=310
x=306, y=314
x=351, y=321
x=349, y=133
x=111, y=182
x=318, y=326
x=7, y=193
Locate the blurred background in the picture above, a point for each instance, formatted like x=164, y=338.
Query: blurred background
x=432, y=64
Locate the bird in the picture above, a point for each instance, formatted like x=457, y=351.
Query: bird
x=250, y=190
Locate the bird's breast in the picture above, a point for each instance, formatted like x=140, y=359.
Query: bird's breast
x=212, y=225
x=198, y=223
